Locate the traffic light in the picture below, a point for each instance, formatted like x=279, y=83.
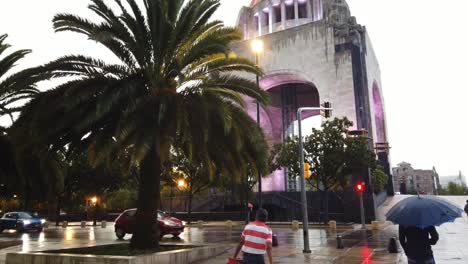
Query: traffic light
x=307, y=173
x=360, y=187
x=326, y=112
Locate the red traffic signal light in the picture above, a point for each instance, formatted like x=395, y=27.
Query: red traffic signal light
x=360, y=187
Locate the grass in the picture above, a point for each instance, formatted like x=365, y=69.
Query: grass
x=118, y=250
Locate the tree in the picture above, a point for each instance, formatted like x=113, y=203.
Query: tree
x=14, y=88
x=453, y=189
x=333, y=157
x=379, y=179
x=18, y=86
x=193, y=173
x=176, y=84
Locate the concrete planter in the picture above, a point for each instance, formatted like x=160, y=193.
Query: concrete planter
x=181, y=256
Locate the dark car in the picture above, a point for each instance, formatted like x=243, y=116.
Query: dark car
x=21, y=221
x=125, y=224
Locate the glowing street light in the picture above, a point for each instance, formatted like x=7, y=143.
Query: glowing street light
x=257, y=46
x=93, y=200
x=181, y=184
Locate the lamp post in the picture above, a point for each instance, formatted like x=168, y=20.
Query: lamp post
x=305, y=217
x=94, y=200
x=257, y=48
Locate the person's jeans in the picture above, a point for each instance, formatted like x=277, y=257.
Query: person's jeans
x=421, y=261
x=253, y=259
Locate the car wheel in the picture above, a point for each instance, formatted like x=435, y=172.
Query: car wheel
x=120, y=233
x=19, y=229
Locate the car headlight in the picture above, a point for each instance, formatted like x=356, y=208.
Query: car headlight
x=167, y=223
x=26, y=222
x=43, y=221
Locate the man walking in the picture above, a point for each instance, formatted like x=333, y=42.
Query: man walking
x=417, y=242
x=256, y=240
x=466, y=208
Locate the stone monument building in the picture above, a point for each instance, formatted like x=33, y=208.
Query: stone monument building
x=314, y=51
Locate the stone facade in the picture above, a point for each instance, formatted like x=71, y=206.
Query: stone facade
x=314, y=51
x=409, y=180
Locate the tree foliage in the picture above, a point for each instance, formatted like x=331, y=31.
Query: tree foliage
x=18, y=86
x=453, y=189
x=333, y=156
x=379, y=179
x=175, y=85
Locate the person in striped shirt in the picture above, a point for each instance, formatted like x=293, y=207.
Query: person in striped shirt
x=256, y=240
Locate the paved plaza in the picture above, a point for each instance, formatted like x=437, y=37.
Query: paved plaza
x=360, y=246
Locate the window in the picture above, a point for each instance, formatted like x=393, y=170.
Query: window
x=256, y=19
x=302, y=8
x=24, y=216
x=277, y=11
x=289, y=9
x=266, y=18
x=130, y=213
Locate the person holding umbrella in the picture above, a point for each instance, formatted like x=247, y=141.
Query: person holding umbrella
x=466, y=208
x=417, y=217
x=416, y=243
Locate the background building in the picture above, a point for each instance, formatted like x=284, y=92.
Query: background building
x=409, y=180
x=458, y=179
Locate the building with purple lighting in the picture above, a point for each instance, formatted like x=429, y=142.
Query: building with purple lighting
x=314, y=51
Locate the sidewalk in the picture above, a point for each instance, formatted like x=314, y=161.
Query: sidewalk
x=361, y=247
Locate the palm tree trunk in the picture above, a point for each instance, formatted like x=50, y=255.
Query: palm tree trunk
x=146, y=233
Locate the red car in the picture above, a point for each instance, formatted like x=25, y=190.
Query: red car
x=125, y=224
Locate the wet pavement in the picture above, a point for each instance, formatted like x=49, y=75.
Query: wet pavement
x=360, y=246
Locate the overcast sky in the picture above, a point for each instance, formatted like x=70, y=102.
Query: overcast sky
x=420, y=45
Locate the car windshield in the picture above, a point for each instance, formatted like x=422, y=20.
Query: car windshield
x=24, y=216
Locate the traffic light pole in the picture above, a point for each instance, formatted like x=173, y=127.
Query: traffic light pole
x=305, y=217
x=363, y=217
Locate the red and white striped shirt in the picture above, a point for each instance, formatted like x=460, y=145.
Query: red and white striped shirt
x=256, y=235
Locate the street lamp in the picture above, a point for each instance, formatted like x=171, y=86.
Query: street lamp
x=94, y=201
x=257, y=48
x=305, y=217
x=181, y=184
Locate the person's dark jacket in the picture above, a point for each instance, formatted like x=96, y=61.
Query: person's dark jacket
x=417, y=242
x=466, y=208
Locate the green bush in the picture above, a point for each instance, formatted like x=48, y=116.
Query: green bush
x=379, y=179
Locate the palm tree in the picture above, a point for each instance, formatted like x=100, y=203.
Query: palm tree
x=177, y=86
x=14, y=87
